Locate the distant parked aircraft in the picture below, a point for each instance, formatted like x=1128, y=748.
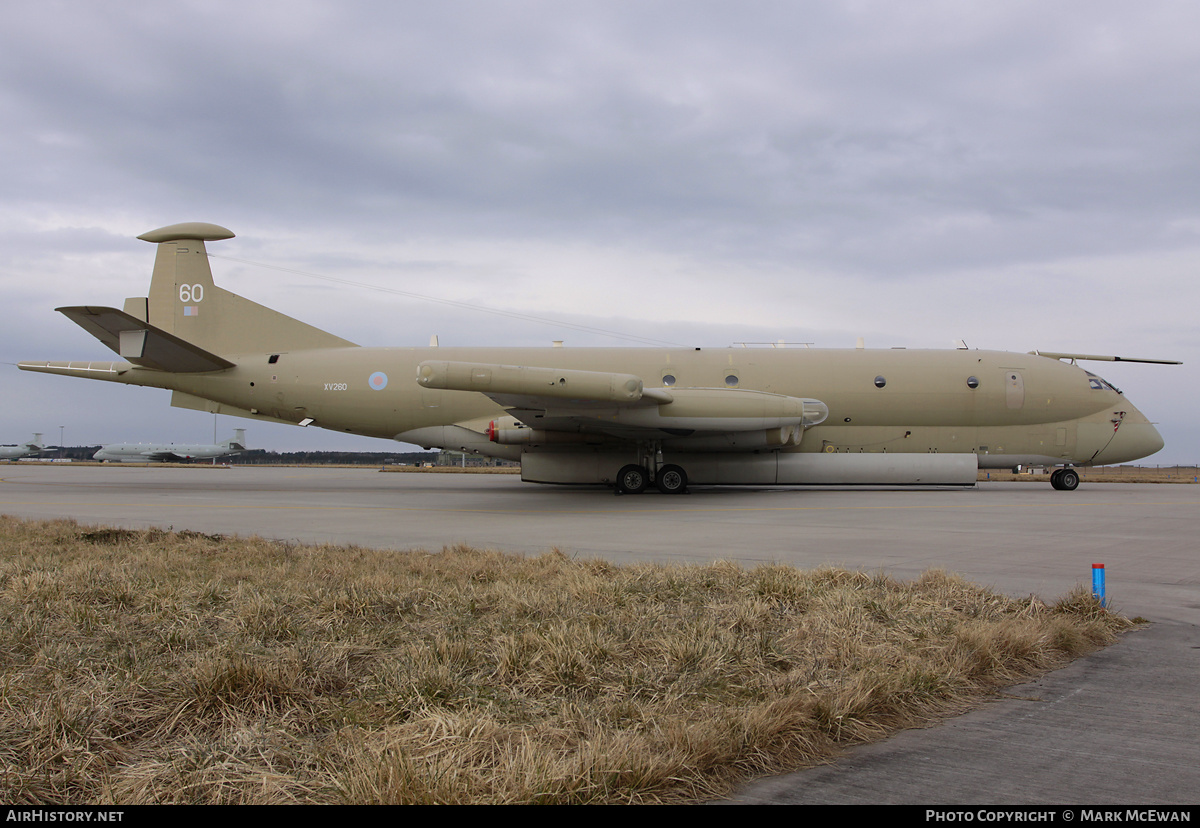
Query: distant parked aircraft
x=22, y=450
x=171, y=452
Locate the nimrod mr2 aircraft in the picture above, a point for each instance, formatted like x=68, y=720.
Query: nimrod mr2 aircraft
x=627, y=417
x=23, y=449
x=170, y=452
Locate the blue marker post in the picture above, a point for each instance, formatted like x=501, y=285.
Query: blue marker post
x=1098, y=584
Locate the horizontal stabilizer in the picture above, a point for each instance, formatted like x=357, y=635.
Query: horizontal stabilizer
x=1099, y=358
x=143, y=344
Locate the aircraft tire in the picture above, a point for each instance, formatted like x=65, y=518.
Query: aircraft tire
x=632, y=479
x=1065, y=480
x=671, y=480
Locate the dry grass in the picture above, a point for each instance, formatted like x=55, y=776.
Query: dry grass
x=158, y=667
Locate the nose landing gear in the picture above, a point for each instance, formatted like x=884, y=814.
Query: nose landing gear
x=1065, y=480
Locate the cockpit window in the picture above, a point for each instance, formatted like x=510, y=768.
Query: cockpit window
x=1099, y=384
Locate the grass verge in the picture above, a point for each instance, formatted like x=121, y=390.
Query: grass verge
x=160, y=667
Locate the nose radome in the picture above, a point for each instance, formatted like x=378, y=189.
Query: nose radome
x=1133, y=441
x=1152, y=440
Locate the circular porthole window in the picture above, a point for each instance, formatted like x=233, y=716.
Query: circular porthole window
x=731, y=380
x=880, y=382
x=668, y=379
x=972, y=382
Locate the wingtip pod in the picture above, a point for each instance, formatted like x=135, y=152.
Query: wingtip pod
x=198, y=230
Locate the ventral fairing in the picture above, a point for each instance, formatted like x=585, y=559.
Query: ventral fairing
x=631, y=418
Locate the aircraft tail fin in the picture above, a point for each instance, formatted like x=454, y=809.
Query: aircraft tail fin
x=237, y=442
x=37, y=442
x=185, y=303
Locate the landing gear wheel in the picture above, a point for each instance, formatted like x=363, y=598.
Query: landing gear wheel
x=1065, y=480
x=632, y=480
x=671, y=480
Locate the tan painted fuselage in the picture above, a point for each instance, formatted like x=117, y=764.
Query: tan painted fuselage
x=1057, y=415
x=225, y=354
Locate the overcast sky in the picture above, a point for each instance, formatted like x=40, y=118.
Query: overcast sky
x=1019, y=175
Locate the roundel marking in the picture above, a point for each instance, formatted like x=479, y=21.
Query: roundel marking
x=377, y=381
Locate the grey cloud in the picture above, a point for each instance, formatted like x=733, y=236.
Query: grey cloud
x=826, y=153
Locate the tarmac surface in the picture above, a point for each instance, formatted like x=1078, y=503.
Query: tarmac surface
x=1121, y=727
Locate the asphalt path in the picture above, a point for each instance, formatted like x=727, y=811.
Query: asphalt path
x=1121, y=727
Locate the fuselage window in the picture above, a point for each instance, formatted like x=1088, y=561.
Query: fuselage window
x=668, y=379
x=731, y=380
x=972, y=382
x=880, y=382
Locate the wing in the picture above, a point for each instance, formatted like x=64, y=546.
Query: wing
x=159, y=455
x=547, y=404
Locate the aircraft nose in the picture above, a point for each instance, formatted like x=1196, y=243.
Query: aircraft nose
x=1133, y=441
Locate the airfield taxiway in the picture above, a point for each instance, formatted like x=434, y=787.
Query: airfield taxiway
x=1121, y=727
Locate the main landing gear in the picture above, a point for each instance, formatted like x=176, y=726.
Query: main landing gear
x=1065, y=480
x=634, y=479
